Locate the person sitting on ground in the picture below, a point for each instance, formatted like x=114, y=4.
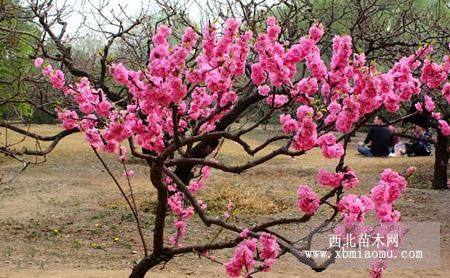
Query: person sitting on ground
x=379, y=138
x=394, y=140
x=421, y=144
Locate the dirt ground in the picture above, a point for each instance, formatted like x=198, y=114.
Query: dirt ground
x=65, y=218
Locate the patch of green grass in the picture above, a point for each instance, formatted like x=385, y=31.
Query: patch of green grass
x=76, y=244
x=8, y=251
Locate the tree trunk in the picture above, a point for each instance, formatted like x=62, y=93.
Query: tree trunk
x=440, y=162
x=147, y=263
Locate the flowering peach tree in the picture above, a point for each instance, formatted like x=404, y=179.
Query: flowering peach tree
x=184, y=103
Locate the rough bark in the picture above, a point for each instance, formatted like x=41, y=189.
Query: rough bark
x=440, y=162
x=149, y=262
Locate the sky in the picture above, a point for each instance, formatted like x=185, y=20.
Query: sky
x=83, y=8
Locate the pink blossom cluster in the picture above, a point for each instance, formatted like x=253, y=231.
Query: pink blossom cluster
x=176, y=204
x=378, y=266
x=277, y=65
x=329, y=147
x=243, y=258
x=399, y=84
x=433, y=74
x=382, y=231
x=56, y=77
x=354, y=208
x=348, y=115
x=350, y=89
x=340, y=71
x=304, y=127
x=404, y=84
x=384, y=195
x=196, y=185
x=444, y=126
x=307, y=200
x=156, y=88
x=269, y=250
x=229, y=211
x=346, y=178
x=271, y=54
x=306, y=135
x=446, y=91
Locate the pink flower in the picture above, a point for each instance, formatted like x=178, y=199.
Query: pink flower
x=189, y=37
x=354, y=208
x=264, y=90
x=123, y=152
x=316, y=32
x=68, y=118
x=333, y=151
x=103, y=108
x=46, y=71
x=258, y=75
x=306, y=136
x=329, y=179
x=128, y=173
x=330, y=149
x=308, y=86
x=446, y=91
x=432, y=74
x=242, y=258
x=347, y=179
x=429, y=104
x=228, y=98
x=410, y=170
x=120, y=73
x=92, y=136
x=418, y=106
x=386, y=193
x=38, y=62
x=316, y=65
x=269, y=249
x=394, y=179
x=342, y=49
x=304, y=111
x=445, y=128
x=350, y=180
x=391, y=102
x=288, y=124
x=359, y=59
x=436, y=115
x=195, y=186
x=206, y=172
x=244, y=233
x=377, y=269
x=307, y=200
x=277, y=100
x=273, y=30
x=57, y=79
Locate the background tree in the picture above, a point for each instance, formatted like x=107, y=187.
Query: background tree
x=17, y=36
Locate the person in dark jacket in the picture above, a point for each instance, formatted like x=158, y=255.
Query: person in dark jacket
x=378, y=139
x=420, y=145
